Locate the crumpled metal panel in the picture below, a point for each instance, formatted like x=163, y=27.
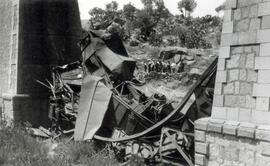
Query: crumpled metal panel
x=94, y=101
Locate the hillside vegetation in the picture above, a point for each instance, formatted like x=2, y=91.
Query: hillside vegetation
x=156, y=25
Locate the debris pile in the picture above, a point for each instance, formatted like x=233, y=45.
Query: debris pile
x=99, y=98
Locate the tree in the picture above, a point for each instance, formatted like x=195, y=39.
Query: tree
x=151, y=16
x=101, y=19
x=97, y=18
x=111, y=10
x=187, y=6
x=112, y=6
x=129, y=12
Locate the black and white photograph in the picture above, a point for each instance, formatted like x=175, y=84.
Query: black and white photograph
x=135, y=83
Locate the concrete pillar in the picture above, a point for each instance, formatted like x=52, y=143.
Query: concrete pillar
x=238, y=132
x=43, y=33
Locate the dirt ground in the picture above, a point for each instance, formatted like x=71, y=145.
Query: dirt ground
x=173, y=86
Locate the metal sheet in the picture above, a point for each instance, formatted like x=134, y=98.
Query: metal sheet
x=94, y=100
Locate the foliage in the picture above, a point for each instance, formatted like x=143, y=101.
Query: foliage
x=101, y=19
x=17, y=147
x=154, y=22
x=113, y=6
x=155, y=39
x=192, y=32
x=187, y=6
x=129, y=12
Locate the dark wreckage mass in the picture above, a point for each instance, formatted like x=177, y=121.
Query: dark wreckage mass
x=99, y=98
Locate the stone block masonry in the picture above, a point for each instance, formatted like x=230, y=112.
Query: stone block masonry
x=238, y=131
x=35, y=35
x=5, y=43
x=234, y=144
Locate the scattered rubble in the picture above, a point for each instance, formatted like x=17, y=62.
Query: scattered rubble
x=99, y=98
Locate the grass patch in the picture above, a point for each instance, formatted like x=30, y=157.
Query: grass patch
x=18, y=148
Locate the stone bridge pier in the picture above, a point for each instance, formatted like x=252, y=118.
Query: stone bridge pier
x=35, y=35
x=238, y=131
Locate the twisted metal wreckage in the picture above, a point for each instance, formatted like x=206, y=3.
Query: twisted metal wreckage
x=99, y=98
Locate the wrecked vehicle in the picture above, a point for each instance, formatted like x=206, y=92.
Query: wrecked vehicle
x=99, y=98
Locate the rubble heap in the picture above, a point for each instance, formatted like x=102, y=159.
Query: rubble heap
x=99, y=98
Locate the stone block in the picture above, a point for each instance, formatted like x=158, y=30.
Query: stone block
x=234, y=61
x=262, y=63
x=229, y=39
x=255, y=24
x=265, y=22
x=250, y=60
x=245, y=88
x=218, y=100
x=253, y=11
x=227, y=27
x=262, y=103
x=218, y=88
x=265, y=148
x=247, y=157
x=230, y=4
x=231, y=154
x=237, y=50
x=263, y=36
x=221, y=76
x=214, y=152
x=233, y=75
x=224, y=52
x=250, y=102
x=241, y=101
x=261, y=90
x=229, y=88
x=202, y=148
x=244, y=3
x=256, y=49
x=236, y=87
x=200, y=159
x=242, y=25
x=263, y=76
x=260, y=117
x=200, y=136
x=244, y=115
x=265, y=49
x=262, y=134
x=221, y=64
x=249, y=37
x=219, y=112
x=232, y=114
x=231, y=101
x=201, y=124
x=230, y=127
x=237, y=14
x=264, y=9
x=243, y=75
x=227, y=15
x=215, y=125
x=246, y=130
x=247, y=49
x=261, y=160
x=252, y=76
x=242, y=63
x=211, y=137
x=245, y=12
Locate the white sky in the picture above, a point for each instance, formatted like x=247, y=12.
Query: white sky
x=204, y=6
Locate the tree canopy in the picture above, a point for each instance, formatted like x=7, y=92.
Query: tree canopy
x=187, y=6
x=154, y=23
